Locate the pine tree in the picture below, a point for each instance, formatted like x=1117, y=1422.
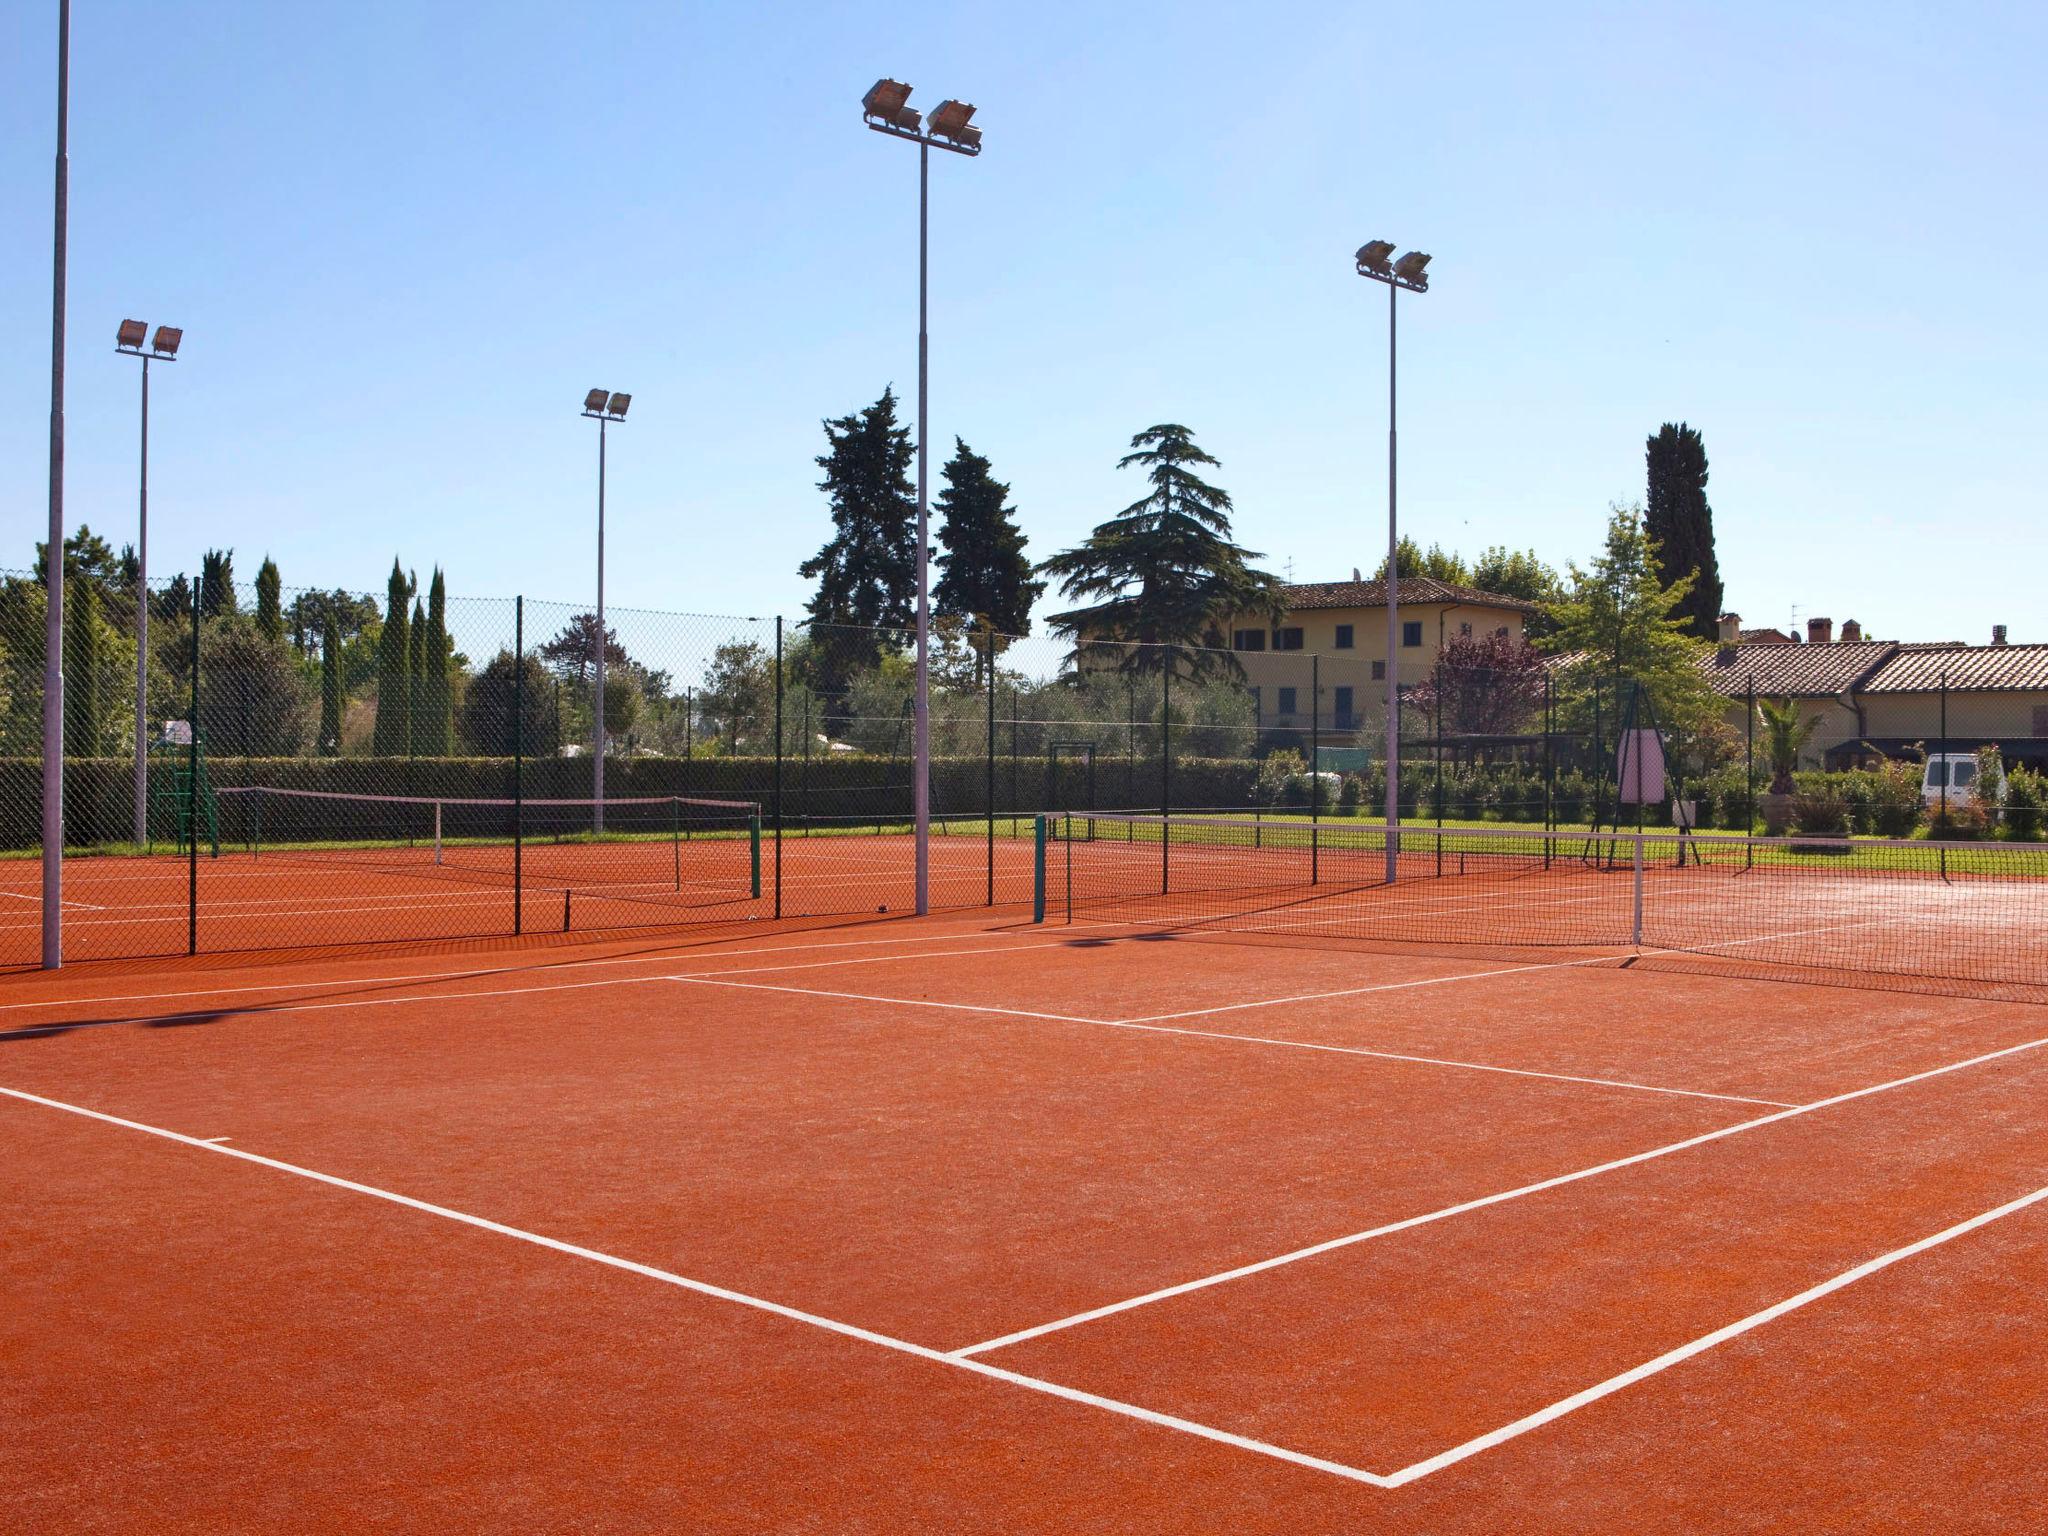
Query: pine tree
x=983, y=573
x=217, y=584
x=393, y=734
x=1163, y=572
x=269, y=602
x=330, y=688
x=867, y=570
x=421, y=684
x=82, y=665
x=1681, y=524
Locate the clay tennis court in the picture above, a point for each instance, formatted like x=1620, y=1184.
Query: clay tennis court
x=975, y=1223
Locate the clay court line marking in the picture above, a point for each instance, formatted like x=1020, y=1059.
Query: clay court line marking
x=69, y=903
x=1705, y=1342
x=738, y=1298
x=1381, y=986
x=670, y=957
x=1463, y=1207
x=1146, y=1027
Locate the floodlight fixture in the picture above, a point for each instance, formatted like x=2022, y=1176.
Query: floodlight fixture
x=1372, y=258
x=594, y=402
x=129, y=337
x=1409, y=270
x=616, y=408
x=887, y=102
x=165, y=343
x=950, y=122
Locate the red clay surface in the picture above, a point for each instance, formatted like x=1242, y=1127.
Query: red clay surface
x=948, y=1131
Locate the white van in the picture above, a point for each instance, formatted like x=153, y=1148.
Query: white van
x=1958, y=772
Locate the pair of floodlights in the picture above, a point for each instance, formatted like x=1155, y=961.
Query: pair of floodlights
x=163, y=348
x=606, y=405
x=1406, y=273
x=887, y=110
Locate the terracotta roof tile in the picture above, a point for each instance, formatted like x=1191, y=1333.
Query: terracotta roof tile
x=1779, y=670
x=1413, y=589
x=1919, y=668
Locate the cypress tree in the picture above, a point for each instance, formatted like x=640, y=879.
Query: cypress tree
x=983, y=572
x=217, y=584
x=330, y=688
x=269, y=604
x=393, y=734
x=1163, y=572
x=438, y=719
x=418, y=670
x=1680, y=523
x=82, y=670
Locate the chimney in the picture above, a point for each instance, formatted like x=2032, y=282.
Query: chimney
x=1731, y=629
x=1998, y=634
x=1819, y=631
x=1851, y=632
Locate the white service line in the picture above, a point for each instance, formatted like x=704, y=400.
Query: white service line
x=738, y=1298
x=1145, y=1026
x=1379, y=986
x=1331, y=1245
x=1665, y=1361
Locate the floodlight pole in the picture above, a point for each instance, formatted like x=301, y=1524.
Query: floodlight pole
x=1407, y=273
x=597, y=763
x=53, y=610
x=142, y=604
x=921, y=776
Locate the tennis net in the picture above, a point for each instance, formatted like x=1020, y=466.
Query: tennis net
x=655, y=846
x=1963, y=912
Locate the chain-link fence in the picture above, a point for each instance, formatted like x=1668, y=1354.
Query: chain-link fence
x=325, y=767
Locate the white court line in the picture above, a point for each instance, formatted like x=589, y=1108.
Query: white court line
x=68, y=902
x=670, y=956
x=1705, y=1342
x=1383, y=986
x=738, y=1298
x=1147, y=1027
x=1331, y=1245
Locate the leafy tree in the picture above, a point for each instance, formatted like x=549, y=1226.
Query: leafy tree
x=252, y=698
x=738, y=692
x=269, y=605
x=1411, y=561
x=1681, y=524
x=1520, y=573
x=306, y=617
x=1483, y=685
x=488, y=721
x=82, y=669
x=983, y=573
x=217, y=584
x=331, y=694
x=1163, y=572
x=1620, y=620
x=393, y=734
x=416, y=667
x=867, y=571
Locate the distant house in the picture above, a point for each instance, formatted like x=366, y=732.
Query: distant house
x=1880, y=699
x=1344, y=624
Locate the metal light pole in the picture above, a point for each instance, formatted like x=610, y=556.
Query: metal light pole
x=885, y=109
x=163, y=349
x=604, y=407
x=53, y=627
x=1406, y=273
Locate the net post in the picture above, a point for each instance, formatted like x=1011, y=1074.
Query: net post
x=1636, y=926
x=754, y=853
x=1948, y=770
x=256, y=823
x=1038, y=869
x=675, y=838
x=1749, y=779
x=437, y=834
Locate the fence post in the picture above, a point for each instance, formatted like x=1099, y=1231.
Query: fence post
x=518, y=761
x=192, y=797
x=1948, y=770
x=1637, y=928
x=1749, y=780
x=778, y=765
x=1549, y=766
x=1315, y=766
x=989, y=760
x=1037, y=868
x=1165, y=763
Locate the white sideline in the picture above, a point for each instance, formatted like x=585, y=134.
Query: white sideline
x=1146, y=1026
x=738, y=1298
x=1387, y=1229
x=1705, y=1342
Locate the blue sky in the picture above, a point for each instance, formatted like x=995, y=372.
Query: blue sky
x=405, y=238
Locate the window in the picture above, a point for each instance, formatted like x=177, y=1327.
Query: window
x=1287, y=639
x=1344, y=720
x=2041, y=719
x=1344, y=642
x=1379, y=671
x=1501, y=633
x=1247, y=639
x=1465, y=631
x=1411, y=633
x=1286, y=701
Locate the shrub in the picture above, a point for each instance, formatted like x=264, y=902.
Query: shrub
x=1349, y=795
x=2026, y=796
x=1275, y=772
x=1820, y=814
x=1960, y=821
x=1569, y=795
x=1895, y=806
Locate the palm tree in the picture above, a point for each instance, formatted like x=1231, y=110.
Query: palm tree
x=1785, y=736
